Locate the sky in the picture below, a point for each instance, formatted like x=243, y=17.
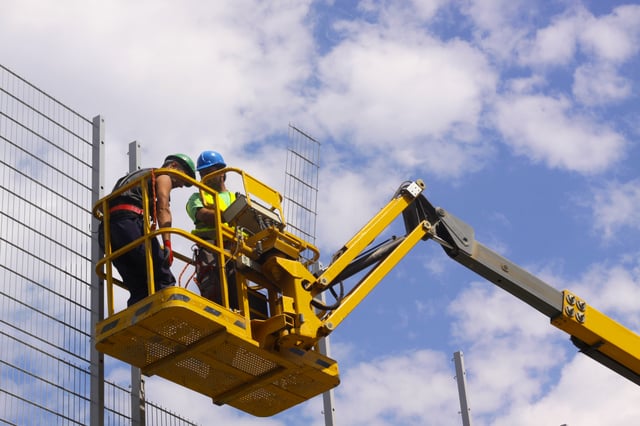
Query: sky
x=520, y=116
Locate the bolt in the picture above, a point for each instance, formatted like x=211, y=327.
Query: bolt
x=582, y=305
x=569, y=311
x=580, y=317
x=571, y=299
x=441, y=212
x=504, y=267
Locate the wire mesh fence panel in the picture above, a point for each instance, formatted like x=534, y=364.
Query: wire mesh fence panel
x=46, y=172
x=301, y=184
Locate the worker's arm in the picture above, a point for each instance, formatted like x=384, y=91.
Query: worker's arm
x=206, y=215
x=198, y=212
x=163, y=204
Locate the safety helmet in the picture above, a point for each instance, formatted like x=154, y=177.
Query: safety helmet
x=209, y=159
x=185, y=162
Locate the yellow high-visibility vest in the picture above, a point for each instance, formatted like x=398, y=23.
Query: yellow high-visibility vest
x=224, y=200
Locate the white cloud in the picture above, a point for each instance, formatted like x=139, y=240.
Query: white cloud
x=546, y=129
x=586, y=394
x=345, y=205
x=199, y=75
x=496, y=305
x=426, y=9
x=600, y=84
x=418, y=95
x=612, y=287
x=553, y=45
x=614, y=37
x=500, y=26
x=617, y=293
x=526, y=85
x=435, y=266
x=415, y=388
x=616, y=206
x=391, y=12
x=518, y=348
x=367, y=82
x=522, y=370
x=199, y=408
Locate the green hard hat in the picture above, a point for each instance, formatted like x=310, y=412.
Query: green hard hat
x=185, y=162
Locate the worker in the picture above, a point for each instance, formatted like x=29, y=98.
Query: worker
x=127, y=224
x=202, y=213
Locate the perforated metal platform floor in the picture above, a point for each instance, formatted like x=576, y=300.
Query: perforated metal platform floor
x=184, y=338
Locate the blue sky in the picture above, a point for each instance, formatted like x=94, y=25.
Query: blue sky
x=520, y=116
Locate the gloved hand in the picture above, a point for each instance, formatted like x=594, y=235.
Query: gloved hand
x=168, y=253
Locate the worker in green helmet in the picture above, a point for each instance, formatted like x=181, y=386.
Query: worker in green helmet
x=127, y=224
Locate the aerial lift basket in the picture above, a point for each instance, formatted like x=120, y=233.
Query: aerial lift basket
x=198, y=344
x=229, y=355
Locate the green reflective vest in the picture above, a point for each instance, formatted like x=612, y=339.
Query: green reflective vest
x=195, y=203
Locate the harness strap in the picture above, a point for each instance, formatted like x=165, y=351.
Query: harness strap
x=128, y=207
x=154, y=222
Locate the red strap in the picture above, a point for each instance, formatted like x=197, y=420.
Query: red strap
x=154, y=221
x=128, y=207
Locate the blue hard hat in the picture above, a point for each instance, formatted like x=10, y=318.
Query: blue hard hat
x=209, y=159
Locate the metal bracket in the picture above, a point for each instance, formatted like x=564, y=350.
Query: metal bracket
x=415, y=188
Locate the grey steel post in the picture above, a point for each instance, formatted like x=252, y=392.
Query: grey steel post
x=134, y=156
x=327, y=397
x=137, y=383
x=97, y=285
x=461, y=377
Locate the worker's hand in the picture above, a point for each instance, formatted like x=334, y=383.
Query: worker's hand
x=168, y=253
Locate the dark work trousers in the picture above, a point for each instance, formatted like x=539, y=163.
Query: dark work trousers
x=132, y=264
x=208, y=278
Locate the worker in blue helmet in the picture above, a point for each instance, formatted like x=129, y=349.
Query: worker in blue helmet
x=200, y=210
x=126, y=224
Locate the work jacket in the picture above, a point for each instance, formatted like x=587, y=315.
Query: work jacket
x=195, y=203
